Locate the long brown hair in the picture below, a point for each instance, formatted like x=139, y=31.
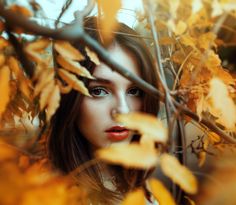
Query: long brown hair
x=69, y=149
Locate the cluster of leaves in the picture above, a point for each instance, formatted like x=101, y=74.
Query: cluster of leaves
x=200, y=82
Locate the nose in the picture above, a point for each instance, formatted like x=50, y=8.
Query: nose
x=121, y=105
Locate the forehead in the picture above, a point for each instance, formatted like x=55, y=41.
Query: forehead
x=123, y=57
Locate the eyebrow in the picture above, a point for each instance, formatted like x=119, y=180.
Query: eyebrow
x=100, y=80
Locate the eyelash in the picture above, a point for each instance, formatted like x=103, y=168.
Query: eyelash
x=93, y=91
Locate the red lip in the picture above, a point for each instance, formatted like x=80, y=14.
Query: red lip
x=117, y=133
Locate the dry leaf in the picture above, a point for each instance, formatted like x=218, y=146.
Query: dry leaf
x=108, y=23
x=144, y=123
x=3, y=43
x=65, y=49
x=206, y=40
x=33, y=49
x=161, y=194
x=73, y=81
x=167, y=41
x=4, y=88
x=74, y=67
x=45, y=76
x=223, y=105
x=213, y=137
x=135, y=197
x=2, y=59
x=92, y=56
x=21, y=10
x=45, y=94
x=63, y=88
x=201, y=158
x=178, y=173
x=14, y=66
x=53, y=102
x=129, y=155
x=187, y=40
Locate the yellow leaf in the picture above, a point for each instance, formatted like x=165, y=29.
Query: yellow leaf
x=178, y=29
x=2, y=59
x=93, y=56
x=73, y=81
x=201, y=158
x=74, y=67
x=206, y=40
x=187, y=40
x=213, y=137
x=108, y=23
x=4, y=88
x=45, y=77
x=65, y=49
x=64, y=88
x=3, y=43
x=45, y=94
x=167, y=41
x=223, y=105
x=33, y=49
x=161, y=194
x=178, y=173
x=129, y=155
x=144, y=123
x=134, y=198
x=53, y=102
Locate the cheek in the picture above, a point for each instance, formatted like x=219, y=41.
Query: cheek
x=136, y=104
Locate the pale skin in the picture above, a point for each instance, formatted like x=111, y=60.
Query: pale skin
x=110, y=92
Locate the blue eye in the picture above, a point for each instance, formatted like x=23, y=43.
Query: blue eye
x=136, y=92
x=98, y=92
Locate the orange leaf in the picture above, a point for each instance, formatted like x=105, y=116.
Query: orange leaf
x=93, y=56
x=135, y=197
x=4, y=88
x=161, y=194
x=129, y=155
x=21, y=10
x=178, y=173
x=144, y=123
x=53, y=102
x=73, y=81
x=45, y=94
x=108, y=24
x=65, y=49
x=2, y=59
x=6, y=152
x=74, y=67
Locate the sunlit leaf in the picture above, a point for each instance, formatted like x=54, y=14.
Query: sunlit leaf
x=160, y=192
x=4, y=88
x=167, y=41
x=53, y=102
x=129, y=155
x=206, y=40
x=144, y=123
x=65, y=49
x=108, y=23
x=45, y=94
x=223, y=105
x=73, y=81
x=93, y=56
x=201, y=158
x=74, y=67
x=213, y=137
x=135, y=197
x=180, y=174
x=63, y=88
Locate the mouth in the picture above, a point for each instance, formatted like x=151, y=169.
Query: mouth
x=117, y=133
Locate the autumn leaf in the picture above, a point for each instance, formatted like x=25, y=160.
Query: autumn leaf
x=108, y=23
x=129, y=155
x=20, y=10
x=73, y=81
x=201, y=158
x=178, y=173
x=144, y=123
x=221, y=100
x=6, y=151
x=135, y=197
x=160, y=192
x=2, y=59
x=4, y=88
x=74, y=67
x=53, y=102
x=45, y=94
x=63, y=88
x=167, y=41
x=206, y=40
x=66, y=50
x=33, y=49
x=92, y=56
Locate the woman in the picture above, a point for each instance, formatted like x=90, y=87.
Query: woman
x=83, y=124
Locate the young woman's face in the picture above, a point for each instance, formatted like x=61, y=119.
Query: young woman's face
x=111, y=93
